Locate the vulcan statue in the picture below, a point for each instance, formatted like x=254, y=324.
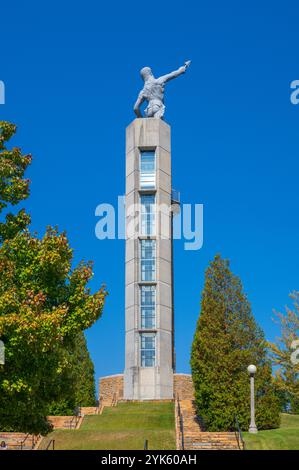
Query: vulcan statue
x=153, y=92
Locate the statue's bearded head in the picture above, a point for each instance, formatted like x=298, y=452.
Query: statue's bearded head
x=146, y=72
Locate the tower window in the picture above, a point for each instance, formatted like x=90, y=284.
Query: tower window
x=148, y=221
x=148, y=307
x=147, y=170
x=148, y=260
x=148, y=349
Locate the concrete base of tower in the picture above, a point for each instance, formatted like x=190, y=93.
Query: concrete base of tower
x=150, y=383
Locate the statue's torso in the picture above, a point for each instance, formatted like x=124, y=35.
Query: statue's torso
x=153, y=90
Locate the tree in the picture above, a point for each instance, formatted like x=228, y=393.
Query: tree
x=44, y=305
x=76, y=385
x=227, y=339
x=13, y=186
x=285, y=356
x=83, y=370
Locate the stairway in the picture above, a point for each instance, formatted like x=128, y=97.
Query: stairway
x=190, y=419
x=65, y=422
x=191, y=435
x=19, y=440
x=89, y=410
x=211, y=441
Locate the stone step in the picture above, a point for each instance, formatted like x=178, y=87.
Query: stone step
x=194, y=435
x=62, y=422
x=18, y=440
x=197, y=446
x=89, y=410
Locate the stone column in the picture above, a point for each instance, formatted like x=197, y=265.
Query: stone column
x=142, y=383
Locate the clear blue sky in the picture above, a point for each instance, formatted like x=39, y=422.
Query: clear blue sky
x=71, y=71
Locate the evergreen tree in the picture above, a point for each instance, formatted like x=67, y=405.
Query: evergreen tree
x=76, y=386
x=227, y=339
x=85, y=390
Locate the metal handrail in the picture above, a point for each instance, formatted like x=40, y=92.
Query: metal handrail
x=175, y=196
x=181, y=421
x=114, y=400
x=34, y=438
x=21, y=444
x=51, y=442
x=75, y=420
x=99, y=402
x=239, y=435
x=24, y=440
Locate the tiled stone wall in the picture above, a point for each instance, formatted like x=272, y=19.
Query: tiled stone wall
x=113, y=384
x=183, y=386
x=60, y=422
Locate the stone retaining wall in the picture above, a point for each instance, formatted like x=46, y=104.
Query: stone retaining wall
x=183, y=386
x=60, y=422
x=89, y=410
x=110, y=386
x=18, y=440
x=114, y=384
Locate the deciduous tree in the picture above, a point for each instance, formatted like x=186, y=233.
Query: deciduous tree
x=285, y=356
x=45, y=304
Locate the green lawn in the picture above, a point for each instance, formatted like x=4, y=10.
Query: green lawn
x=124, y=427
x=284, y=438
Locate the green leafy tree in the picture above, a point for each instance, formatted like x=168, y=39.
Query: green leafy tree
x=285, y=356
x=76, y=385
x=85, y=390
x=44, y=304
x=227, y=339
x=13, y=186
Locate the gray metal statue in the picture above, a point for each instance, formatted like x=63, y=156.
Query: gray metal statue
x=153, y=92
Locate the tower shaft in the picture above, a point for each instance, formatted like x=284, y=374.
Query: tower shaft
x=149, y=358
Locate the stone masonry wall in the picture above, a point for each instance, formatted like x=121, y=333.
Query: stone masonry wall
x=183, y=386
x=114, y=384
x=108, y=386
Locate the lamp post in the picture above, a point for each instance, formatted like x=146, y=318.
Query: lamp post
x=251, y=371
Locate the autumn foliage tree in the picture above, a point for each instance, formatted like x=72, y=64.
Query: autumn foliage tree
x=44, y=303
x=13, y=186
x=285, y=356
x=227, y=339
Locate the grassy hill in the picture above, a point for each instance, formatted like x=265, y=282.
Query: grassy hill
x=124, y=427
x=284, y=438
x=128, y=425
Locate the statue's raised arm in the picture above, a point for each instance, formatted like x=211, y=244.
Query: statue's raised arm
x=175, y=74
x=153, y=92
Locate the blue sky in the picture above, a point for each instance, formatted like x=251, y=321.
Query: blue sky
x=71, y=72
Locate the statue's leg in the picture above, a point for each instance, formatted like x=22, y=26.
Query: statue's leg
x=149, y=111
x=155, y=110
x=159, y=113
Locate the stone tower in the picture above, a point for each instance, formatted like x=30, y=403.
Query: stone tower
x=149, y=358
